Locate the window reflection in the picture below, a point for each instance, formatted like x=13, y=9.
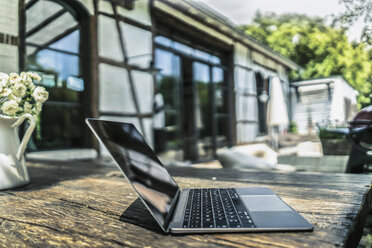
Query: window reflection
x=218, y=76
x=168, y=86
x=56, y=57
x=192, y=83
x=59, y=63
x=163, y=41
x=183, y=48
x=221, y=117
x=187, y=50
x=69, y=43
x=163, y=62
x=203, y=112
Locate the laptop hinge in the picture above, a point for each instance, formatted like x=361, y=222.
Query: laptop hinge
x=172, y=210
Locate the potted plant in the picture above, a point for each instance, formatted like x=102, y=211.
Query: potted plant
x=333, y=143
x=20, y=99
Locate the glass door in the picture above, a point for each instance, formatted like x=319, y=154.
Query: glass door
x=203, y=109
x=194, y=86
x=168, y=142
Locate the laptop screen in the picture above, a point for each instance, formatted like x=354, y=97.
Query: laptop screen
x=140, y=165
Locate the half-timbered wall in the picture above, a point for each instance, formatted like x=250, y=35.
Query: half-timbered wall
x=122, y=51
x=125, y=85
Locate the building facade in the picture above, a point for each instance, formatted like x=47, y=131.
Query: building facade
x=188, y=79
x=322, y=101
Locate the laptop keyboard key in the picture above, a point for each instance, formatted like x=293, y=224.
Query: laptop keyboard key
x=215, y=208
x=235, y=225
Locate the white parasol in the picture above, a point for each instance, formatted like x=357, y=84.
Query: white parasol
x=277, y=114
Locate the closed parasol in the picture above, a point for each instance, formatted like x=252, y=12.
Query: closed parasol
x=277, y=114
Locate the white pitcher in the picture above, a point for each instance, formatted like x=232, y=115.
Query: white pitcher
x=13, y=171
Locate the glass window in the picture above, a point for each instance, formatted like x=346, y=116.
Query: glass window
x=183, y=48
x=168, y=86
x=56, y=57
x=163, y=41
x=218, y=76
x=215, y=60
x=164, y=62
x=221, y=117
x=69, y=43
x=188, y=50
x=203, y=109
x=62, y=64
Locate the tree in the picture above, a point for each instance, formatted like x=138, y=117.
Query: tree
x=355, y=10
x=320, y=49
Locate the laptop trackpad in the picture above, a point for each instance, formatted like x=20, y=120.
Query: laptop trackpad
x=261, y=203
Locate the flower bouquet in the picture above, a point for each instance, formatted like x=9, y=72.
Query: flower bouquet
x=19, y=95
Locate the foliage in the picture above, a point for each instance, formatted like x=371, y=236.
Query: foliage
x=329, y=130
x=356, y=10
x=324, y=134
x=320, y=49
x=293, y=128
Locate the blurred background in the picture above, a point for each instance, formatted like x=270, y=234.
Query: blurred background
x=193, y=76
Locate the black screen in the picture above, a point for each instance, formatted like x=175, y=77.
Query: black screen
x=140, y=165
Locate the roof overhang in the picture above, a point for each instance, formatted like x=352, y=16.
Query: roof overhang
x=215, y=21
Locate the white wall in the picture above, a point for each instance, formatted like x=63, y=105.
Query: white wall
x=245, y=99
x=314, y=103
x=8, y=26
x=342, y=91
x=245, y=90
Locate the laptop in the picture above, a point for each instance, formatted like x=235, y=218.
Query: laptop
x=194, y=210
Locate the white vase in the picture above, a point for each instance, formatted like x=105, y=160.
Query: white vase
x=13, y=171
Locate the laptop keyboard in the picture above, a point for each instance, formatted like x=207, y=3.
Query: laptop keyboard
x=215, y=208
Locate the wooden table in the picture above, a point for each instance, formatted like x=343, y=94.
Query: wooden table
x=81, y=204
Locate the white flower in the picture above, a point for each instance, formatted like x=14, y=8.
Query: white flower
x=13, y=75
x=36, y=110
x=26, y=79
x=15, y=93
x=31, y=86
x=2, y=84
x=34, y=76
x=15, y=98
x=40, y=94
x=3, y=79
x=10, y=107
x=14, y=78
x=27, y=107
x=19, y=90
x=5, y=92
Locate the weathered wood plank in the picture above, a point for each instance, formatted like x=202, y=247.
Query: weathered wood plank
x=87, y=205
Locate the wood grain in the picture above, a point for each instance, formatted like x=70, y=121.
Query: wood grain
x=87, y=205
